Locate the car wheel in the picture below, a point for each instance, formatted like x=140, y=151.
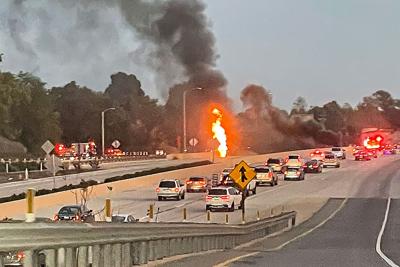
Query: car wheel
x=183, y=196
x=178, y=197
x=160, y=198
x=255, y=190
x=276, y=182
x=272, y=183
x=337, y=166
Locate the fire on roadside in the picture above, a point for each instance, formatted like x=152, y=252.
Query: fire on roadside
x=219, y=132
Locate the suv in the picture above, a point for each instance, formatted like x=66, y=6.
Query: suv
x=331, y=160
x=223, y=198
x=266, y=175
x=171, y=189
x=74, y=213
x=276, y=164
x=293, y=161
x=196, y=184
x=339, y=152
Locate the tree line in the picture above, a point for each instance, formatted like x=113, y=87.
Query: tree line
x=30, y=113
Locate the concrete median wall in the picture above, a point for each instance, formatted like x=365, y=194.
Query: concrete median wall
x=125, y=245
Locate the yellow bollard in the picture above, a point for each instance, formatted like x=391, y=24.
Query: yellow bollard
x=258, y=215
x=108, y=210
x=226, y=218
x=208, y=216
x=243, y=218
x=150, y=212
x=30, y=214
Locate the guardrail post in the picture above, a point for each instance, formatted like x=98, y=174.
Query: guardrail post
x=126, y=255
x=51, y=257
x=107, y=255
x=83, y=256
x=151, y=256
x=70, y=257
x=135, y=253
x=30, y=213
x=30, y=258
x=143, y=252
x=116, y=251
x=61, y=257
x=108, y=210
x=159, y=251
x=1, y=261
x=165, y=244
x=97, y=256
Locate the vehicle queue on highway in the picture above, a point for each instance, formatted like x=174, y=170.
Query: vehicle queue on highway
x=223, y=194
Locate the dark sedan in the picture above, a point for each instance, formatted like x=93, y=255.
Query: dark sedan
x=314, y=166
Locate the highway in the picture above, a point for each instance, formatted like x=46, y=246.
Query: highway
x=347, y=235
x=346, y=239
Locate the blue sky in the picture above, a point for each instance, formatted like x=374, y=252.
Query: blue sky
x=322, y=50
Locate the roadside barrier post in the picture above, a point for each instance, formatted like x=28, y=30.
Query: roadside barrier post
x=26, y=174
x=208, y=216
x=184, y=214
x=150, y=212
x=41, y=166
x=6, y=167
x=30, y=214
x=258, y=215
x=226, y=218
x=108, y=210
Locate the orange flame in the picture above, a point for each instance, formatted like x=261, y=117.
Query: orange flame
x=219, y=133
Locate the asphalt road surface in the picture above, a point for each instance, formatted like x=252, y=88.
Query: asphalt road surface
x=345, y=238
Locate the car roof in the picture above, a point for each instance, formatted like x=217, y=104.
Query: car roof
x=122, y=215
x=71, y=206
x=221, y=187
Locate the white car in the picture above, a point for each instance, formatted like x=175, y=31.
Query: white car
x=123, y=218
x=223, y=198
x=331, y=160
x=339, y=152
x=294, y=160
x=266, y=175
x=171, y=189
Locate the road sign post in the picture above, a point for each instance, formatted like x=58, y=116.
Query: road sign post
x=242, y=175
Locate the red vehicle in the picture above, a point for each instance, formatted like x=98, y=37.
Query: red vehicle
x=317, y=154
x=362, y=155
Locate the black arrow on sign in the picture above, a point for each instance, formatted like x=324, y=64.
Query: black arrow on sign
x=243, y=176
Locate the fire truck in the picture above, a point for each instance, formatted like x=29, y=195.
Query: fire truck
x=78, y=154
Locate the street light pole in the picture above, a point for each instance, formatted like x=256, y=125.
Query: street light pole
x=102, y=129
x=184, y=117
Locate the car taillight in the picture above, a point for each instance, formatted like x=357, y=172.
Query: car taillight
x=322, y=154
x=285, y=172
x=315, y=166
x=77, y=218
x=225, y=198
x=55, y=217
x=189, y=182
x=209, y=197
x=305, y=166
x=298, y=172
x=20, y=255
x=312, y=154
x=158, y=190
x=202, y=182
x=176, y=189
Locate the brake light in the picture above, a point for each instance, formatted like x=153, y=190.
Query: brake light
x=226, y=198
x=322, y=154
x=77, y=218
x=189, y=182
x=285, y=172
x=20, y=255
x=298, y=172
x=55, y=217
x=202, y=182
x=209, y=197
x=315, y=166
x=176, y=189
x=305, y=166
x=312, y=154
x=158, y=190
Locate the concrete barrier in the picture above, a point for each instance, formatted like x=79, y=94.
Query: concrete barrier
x=101, y=244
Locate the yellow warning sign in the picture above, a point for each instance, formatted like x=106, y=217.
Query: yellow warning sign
x=242, y=174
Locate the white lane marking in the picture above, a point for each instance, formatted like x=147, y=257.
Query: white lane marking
x=226, y=263
x=379, y=239
x=180, y=205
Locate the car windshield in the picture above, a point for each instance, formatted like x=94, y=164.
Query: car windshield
x=329, y=156
x=336, y=149
x=293, y=169
x=167, y=184
x=293, y=157
x=217, y=192
x=273, y=161
x=312, y=162
x=69, y=210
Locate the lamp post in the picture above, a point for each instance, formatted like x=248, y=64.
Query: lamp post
x=184, y=117
x=102, y=128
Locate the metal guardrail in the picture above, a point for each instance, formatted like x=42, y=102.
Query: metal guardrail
x=103, y=244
